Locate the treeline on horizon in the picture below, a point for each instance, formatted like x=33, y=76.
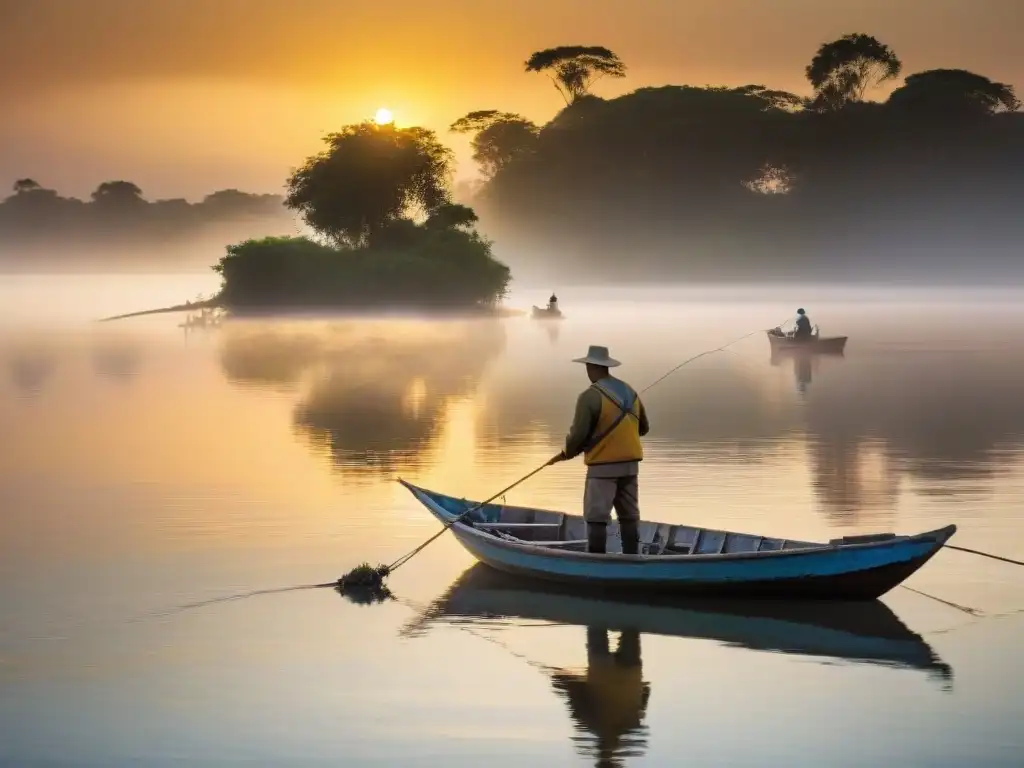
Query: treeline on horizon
x=40, y=227
x=675, y=181
x=720, y=182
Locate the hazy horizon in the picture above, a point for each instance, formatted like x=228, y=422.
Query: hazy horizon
x=183, y=97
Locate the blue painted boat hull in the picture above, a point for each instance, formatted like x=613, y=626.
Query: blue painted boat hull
x=858, y=571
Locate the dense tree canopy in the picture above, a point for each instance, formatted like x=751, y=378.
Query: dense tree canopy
x=754, y=181
x=498, y=137
x=843, y=70
x=369, y=176
x=363, y=195
x=677, y=180
x=939, y=93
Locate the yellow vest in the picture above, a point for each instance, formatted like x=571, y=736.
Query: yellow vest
x=617, y=437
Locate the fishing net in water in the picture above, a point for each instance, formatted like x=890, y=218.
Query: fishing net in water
x=364, y=584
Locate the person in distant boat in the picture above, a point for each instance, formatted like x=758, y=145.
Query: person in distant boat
x=803, y=325
x=553, y=303
x=609, y=421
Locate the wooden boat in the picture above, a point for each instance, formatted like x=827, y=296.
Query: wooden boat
x=863, y=632
x=679, y=558
x=543, y=313
x=816, y=344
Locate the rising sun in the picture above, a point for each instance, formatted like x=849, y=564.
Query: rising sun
x=383, y=116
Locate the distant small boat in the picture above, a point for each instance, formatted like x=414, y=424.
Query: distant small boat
x=816, y=344
x=551, y=545
x=543, y=313
x=867, y=632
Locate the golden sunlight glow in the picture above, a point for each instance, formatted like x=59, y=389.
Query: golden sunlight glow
x=383, y=116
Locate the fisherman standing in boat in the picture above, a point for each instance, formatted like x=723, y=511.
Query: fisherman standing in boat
x=609, y=421
x=553, y=304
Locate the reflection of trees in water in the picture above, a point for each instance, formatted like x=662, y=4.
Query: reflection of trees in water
x=939, y=417
x=608, y=701
x=268, y=357
x=378, y=390
x=851, y=476
x=715, y=404
x=853, y=479
x=867, y=421
x=30, y=370
x=116, y=360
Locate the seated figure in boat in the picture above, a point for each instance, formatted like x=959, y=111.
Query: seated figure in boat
x=803, y=326
x=608, y=424
x=553, y=304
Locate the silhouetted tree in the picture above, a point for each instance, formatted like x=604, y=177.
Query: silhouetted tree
x=26, y=185
x=452, y=216
x=843, y=70
x=772, y=99
x=938, y=92
x=499, y=137
x=117, y=193
x=573, y=68
x=368, y=176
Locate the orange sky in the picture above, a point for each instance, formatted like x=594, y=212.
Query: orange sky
x=187, y=96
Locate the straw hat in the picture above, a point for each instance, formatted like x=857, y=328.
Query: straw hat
x=598, y=356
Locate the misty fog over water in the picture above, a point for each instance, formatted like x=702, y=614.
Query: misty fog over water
x=145, y=468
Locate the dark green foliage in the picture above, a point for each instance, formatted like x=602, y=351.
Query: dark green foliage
x=369, y=176
x=360, y=195
x=406, y=266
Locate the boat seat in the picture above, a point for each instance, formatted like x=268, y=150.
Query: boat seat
x=489, y=526
x=517, y=540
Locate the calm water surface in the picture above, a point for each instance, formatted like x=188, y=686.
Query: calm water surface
x=143, y=471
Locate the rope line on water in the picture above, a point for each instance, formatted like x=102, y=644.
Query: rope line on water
x=964, y=608
x=389, y=569
x=984, y=554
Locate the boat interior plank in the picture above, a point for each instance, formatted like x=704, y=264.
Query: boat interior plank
x=711, y=543
x=740, y=542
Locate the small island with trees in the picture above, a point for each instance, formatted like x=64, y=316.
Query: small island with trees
x=362, y=197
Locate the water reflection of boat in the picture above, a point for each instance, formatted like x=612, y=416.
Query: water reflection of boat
x=804, y=366
x=816, y=344
x=867, y=633
x=683, y=559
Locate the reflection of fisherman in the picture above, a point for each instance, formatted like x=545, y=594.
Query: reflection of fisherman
x=611, y=699
x=803, y=372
